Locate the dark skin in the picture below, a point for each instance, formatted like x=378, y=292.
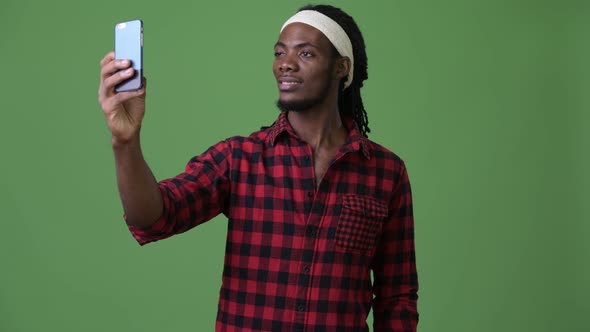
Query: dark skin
x=306, y=66
x=124, y=111
x=305, y=56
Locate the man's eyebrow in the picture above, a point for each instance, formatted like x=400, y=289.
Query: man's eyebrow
x=300, y=45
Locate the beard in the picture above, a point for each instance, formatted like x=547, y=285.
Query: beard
x=304, y=104
x=298, y=105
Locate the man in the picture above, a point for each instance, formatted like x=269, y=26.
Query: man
x=312, y=204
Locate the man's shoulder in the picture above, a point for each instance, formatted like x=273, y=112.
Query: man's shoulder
x=381, y=152
x=255, y=141
x=237, y=146
x=258, y=137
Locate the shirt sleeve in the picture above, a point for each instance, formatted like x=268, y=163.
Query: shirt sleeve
x=195, y=196
x=394, y=266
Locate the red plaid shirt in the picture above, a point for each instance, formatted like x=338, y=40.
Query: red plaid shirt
x=299, y=256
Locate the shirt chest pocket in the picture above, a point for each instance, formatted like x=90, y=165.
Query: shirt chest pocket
x=360, y=223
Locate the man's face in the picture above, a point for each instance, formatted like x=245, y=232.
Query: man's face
x=304, y=67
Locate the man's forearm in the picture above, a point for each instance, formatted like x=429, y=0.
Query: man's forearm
x=140, y=195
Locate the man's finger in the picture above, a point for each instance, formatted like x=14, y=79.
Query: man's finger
x=122, y=97
x=108, y=57
x=111, y=81
x=112, y=67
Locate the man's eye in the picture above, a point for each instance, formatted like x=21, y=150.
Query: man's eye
x=306, y=54
x=278, y=53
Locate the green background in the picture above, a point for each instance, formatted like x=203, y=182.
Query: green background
x=486, y=101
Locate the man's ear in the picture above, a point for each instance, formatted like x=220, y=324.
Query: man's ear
x=342, y=67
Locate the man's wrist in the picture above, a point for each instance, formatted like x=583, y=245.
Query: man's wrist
x=125, y=144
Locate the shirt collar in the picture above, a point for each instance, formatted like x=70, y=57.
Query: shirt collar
x=355, y=141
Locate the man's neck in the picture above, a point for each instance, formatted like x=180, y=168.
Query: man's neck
x=321, y=129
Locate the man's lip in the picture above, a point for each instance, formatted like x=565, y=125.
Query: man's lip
x=289, y=79
x=288, y=83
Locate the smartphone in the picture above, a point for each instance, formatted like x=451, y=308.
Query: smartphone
x=129, y=45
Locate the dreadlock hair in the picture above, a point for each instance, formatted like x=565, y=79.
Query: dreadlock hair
x=350, y=101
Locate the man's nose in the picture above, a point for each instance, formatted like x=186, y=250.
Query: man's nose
x=288, y=63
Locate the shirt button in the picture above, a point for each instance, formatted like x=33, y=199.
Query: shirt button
x=331, y=233
x=300, y=308
x=306, y=269
x=312, y=231
x=310, y=194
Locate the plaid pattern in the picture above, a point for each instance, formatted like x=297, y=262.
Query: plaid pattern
x=360, y=222
x=299, y=255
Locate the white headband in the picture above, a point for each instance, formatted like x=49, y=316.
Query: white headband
x=332, y=30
